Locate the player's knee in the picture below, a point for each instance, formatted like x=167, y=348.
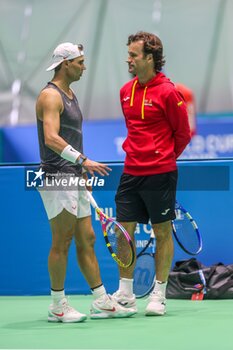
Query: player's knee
x=162, y=231
x=59, y=252
x=87, y=242
x=91, y=238
x=62, y=248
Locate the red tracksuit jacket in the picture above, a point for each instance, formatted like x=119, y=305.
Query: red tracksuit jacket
x=157, y=123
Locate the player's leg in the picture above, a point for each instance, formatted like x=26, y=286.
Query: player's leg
x=58, y=206
x=163, y=257
x=124, y=295
x=62, y=227
x=159, y=199
x=85, y=240
x=164, y=249
x=130, y=210
x=103, y=305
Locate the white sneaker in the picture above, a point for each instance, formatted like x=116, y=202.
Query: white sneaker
x=156, y=305
x=107, y=307
x=63, y=312
x=125, y=300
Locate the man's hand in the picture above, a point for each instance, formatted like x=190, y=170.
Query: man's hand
x=91, y=166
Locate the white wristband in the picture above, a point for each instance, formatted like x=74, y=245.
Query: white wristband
x=69, y=153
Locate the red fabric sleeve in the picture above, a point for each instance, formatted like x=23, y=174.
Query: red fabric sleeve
x=176, y=112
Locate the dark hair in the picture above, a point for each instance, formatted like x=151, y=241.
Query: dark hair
x=153, y=45
x=56, y=69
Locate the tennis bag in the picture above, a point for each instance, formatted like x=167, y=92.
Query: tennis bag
x=190, y=277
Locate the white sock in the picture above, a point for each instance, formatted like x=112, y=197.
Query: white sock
x=126, y=286
x=160, y=287
x=98, y=292
x=57, y=295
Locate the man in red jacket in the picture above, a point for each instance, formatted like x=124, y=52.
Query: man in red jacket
x=158, y=131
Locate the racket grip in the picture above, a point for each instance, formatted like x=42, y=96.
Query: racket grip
x=91, y=199
x=202, y=276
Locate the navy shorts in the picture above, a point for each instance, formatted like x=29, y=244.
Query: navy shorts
x=143, y=198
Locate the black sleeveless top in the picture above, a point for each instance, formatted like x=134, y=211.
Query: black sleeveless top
x=70, y=130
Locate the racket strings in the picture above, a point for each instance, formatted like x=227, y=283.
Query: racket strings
x=118, y=243
x=186, y=232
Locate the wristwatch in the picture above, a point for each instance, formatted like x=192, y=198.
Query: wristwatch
x=81, y=159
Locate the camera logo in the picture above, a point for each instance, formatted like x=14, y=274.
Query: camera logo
x=34, y=178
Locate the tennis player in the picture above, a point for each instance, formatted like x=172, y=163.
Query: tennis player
x=59, y=121
x=158, y=131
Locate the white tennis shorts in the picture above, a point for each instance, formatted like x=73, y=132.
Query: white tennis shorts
x=75, y=202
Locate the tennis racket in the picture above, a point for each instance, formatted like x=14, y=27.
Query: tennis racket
x=116, y=238
x=186, y=231
x=144, y=272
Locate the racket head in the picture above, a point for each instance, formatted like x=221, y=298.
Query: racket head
x=186, y=231
x=144, y=275
x=117, y=240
